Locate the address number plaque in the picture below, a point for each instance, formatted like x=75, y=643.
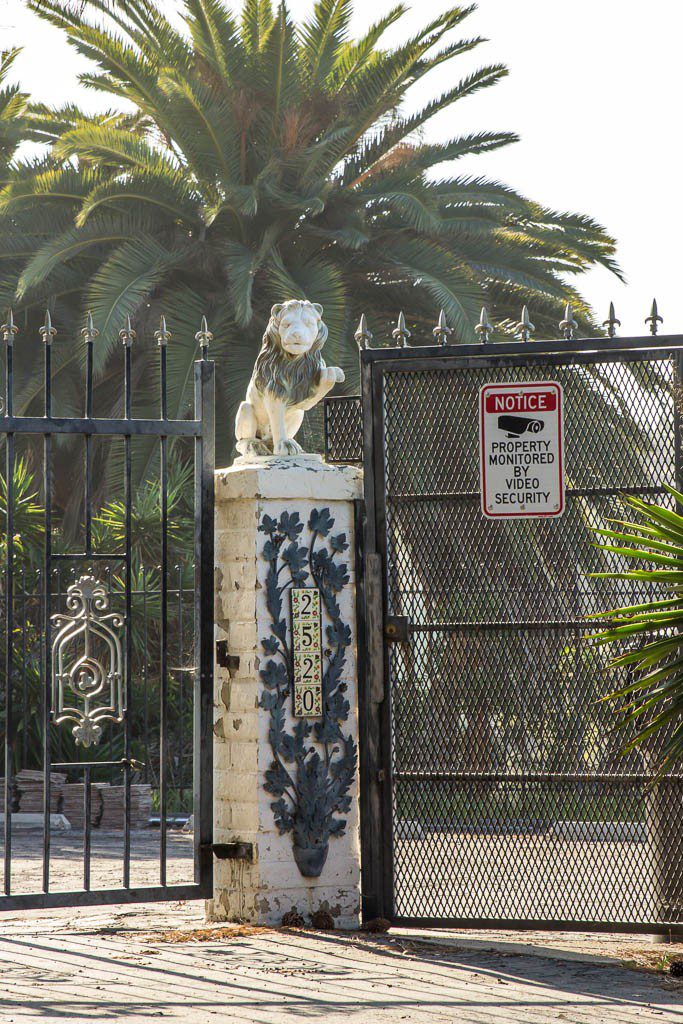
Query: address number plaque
x=307, y=652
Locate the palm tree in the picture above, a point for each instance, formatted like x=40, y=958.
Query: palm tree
x=260, y=159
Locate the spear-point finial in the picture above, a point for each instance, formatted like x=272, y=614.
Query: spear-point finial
x=363, y=335
x=654, y=318
x=127, y=334
x=442, y=331
x=204, y=337
x=483, y=328
x=89, y=332
x=163, y=335
x=525, y=328
x=611, y=323
x=9, y=329
x=47, y=331
x=400, y=333
x=569, y=324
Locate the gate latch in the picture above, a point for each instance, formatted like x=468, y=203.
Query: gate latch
x=397, y=628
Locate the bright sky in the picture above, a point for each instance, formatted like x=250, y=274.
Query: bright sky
x=594, y=91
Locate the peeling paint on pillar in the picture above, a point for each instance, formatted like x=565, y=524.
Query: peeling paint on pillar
x=263, y=891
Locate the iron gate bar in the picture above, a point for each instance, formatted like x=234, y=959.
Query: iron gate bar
x=47, y=623
x=522, y=777
x=437, y=354
x=80, y=425
x=204, y=484
x=201, y=430
x=379, y=772
x=449, y=627
x=579, y=492
x=9, y=612
x=127, y=336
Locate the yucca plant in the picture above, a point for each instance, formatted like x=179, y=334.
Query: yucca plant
x=263, y=159
x=649, y=634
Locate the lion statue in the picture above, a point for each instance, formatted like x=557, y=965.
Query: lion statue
x=289, y=378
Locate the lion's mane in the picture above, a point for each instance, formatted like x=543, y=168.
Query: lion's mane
x=285, y=376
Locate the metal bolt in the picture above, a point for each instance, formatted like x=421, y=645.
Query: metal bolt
x=401, y=334
x=569, y=324
x=9, y=329
x=47, y=331
x=363, y=336
x=483, y=328
x=127, y=335
x=525, y=328
x=89, y=332
x=611, y=323
x=204, y=337
x=163, y=335
x=442, y=332
x=654, y=318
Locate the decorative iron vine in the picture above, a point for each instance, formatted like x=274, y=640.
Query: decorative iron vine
x=311, y=782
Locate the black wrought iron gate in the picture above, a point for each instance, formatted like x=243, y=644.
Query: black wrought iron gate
x=107, y=545
x=493, y=788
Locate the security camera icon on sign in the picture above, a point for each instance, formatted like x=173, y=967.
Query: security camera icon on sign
x=515, y=426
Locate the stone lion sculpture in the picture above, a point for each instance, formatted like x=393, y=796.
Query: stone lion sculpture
x=290, y=377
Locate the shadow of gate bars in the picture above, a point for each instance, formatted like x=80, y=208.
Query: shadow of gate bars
x=89, y=637
x=493, y=789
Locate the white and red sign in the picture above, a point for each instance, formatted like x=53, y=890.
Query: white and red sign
x=521, y=450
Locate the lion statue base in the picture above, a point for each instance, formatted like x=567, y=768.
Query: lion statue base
x=289, y=378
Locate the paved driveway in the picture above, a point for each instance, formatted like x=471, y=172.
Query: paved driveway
x=127, y=965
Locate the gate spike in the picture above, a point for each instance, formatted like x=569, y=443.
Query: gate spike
x=9, y=329
x=569, y=324
x=163, y=335
x=363, y=335
x=401, y=334
x=127, y=335
x=654, y=318
x=483, y=328
x=47, y=331
x=204, y=337
x=525, y=328
x=611, y=323
x=89, y=332
x=442, y=332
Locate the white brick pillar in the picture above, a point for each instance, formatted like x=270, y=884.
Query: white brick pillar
x=281, y=521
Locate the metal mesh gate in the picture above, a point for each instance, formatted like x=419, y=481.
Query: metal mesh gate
x=504, y=795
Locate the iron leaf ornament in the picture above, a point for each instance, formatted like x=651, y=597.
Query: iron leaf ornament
x=87, y=673
x=314, y=763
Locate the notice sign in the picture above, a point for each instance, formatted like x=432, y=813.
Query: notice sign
x=307, y=652
x=521, y=450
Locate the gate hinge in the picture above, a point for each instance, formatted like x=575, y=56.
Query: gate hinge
x=381, y=775
x=233, y=851
x=397, y=628
x=225, y=660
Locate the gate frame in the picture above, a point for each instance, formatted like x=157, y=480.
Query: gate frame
x=374, y=683
x=202, y=429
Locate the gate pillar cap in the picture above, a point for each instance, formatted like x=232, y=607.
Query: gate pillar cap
x=289, y=476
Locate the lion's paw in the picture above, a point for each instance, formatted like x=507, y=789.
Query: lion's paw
x=252, y=446
x=333, y=375
x=288, y=447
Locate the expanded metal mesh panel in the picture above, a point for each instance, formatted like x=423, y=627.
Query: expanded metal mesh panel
x=343, y=429
x=448, y=563
x=503, y=701
x=618, y=425
x=511, y=798
x=538, y=851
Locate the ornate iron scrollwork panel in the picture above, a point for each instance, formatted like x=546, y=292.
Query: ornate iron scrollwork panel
x=87, y=663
